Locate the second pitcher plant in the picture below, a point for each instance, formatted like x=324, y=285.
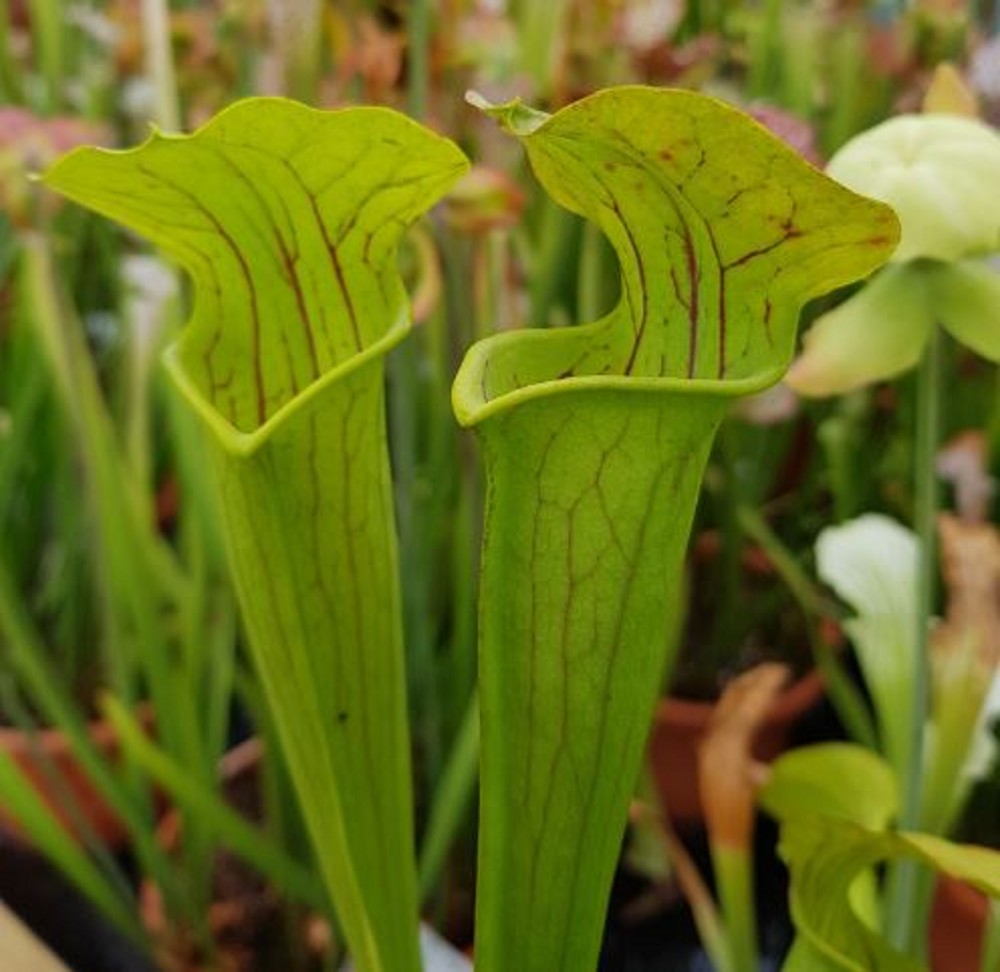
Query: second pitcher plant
x=595, y=439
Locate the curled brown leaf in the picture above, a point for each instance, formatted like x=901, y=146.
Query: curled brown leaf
x=727, y=773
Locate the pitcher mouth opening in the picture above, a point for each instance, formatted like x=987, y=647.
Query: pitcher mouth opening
x=473, y=403
x=240, y=442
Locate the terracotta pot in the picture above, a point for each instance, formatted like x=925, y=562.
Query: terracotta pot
x=679, y=726
x=50, y=750
x=957, y=927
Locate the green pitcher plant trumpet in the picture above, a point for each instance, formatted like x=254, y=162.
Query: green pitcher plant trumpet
x=288, y=219
x=595, y=439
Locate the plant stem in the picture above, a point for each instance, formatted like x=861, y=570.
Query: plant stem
x=990, y=961
x=160, y=63
x=538, y=27
x=10, y=81
x=725, y=638
x=734, y=879
x=711, y=930
x=928, y=427
x=48, y=34
x=451, y=799
x=993, y=426
x=846, y=698
x=904, y=922
x=417, y=76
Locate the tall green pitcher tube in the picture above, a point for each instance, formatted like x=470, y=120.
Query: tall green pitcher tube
x=595, y=439
x=288, y=219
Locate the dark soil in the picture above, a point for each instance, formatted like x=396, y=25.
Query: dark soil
x=761, y=624
x=253, y=929
x=668, y=941
x=57, y=914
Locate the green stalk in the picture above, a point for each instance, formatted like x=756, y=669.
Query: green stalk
x=27, y=410
x=590, y=287
x=10, y=79
x=130, y=563
x=549, y=268
x=991, y=939
x=904, y=919
x=929, y=404
x=28, y=659
x=712, y=931
x=405, y=402
x=78, y=390
x=226, y=825
x=134, y=568
x=451, y=800
x=418, y=60
x=733, y=869
x=846, y=697
x=539, y=27
x=298, y=31
x=156, y=34
x=136, y=574
x=49, y=38
x=852, y=81
x=993, y=425
x=766, y=51
x=728, y=578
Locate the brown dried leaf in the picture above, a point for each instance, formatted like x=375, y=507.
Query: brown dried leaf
x=375, y=57
x=963, y=463
x=726, y=770
x=970, y=563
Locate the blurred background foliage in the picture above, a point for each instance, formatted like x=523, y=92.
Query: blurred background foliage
x=497, y=254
